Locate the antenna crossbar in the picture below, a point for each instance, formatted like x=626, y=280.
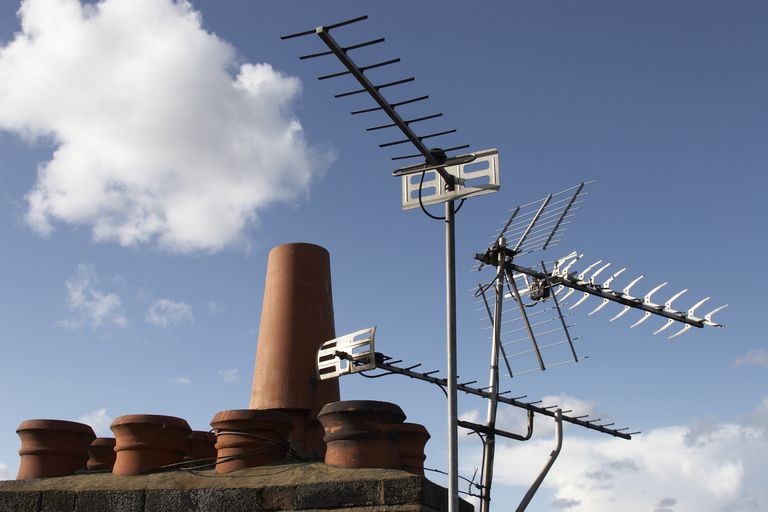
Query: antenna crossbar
x=532, y=223
x=604, y=293
x=383, y=104
x=565, y=212
x=515, y=402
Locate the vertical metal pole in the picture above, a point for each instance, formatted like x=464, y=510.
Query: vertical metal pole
x=450, y=286
x=493, y=386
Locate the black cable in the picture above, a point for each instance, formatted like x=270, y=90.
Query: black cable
x=375, y=376
x=482, y=288
x=421, y=204
x=217, y=460
x=461, y=477
x=393, y=373
x=290, y=467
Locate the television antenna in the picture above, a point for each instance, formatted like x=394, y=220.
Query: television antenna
x=538, y=226
x=444, y=178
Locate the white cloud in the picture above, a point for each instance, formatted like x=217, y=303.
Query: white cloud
x=161, y=136
x=89, y=304
x=99, y=421
x=182, y=381
x=565, y=503
x=228, y=376
x=756, y=357
x=5, y=472
x=705, y=467
x=166, y=313
x=757, y=420
x=215, y=308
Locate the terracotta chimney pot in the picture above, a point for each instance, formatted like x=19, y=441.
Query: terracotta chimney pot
x=296, y=318
x=52, y=448
x=361, y=434
x=102, y=454
x=413, y=439
x=147, y=441
x=251, y=438
x=200, y=445
x=306, y=438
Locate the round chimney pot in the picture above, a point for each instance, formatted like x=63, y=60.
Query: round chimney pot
x=148, y=441
x=250, y=438
x=361, y=434
x=52, y=448
x=413, y=439
x=201, y=444
x=306, y=437
x=101, y=454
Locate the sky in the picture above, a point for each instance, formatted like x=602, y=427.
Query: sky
x=152, y=152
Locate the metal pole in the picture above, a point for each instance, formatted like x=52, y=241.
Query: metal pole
x=552, y=456
x=450, y=285
x=559, y=312
x=489, y=445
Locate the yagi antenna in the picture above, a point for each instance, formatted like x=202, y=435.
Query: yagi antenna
x=438, y=178
x=534, y=227
x=541, y=224
x=374, y=92
x=537, y=324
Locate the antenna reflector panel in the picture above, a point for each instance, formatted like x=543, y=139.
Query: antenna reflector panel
x=347, y=354
x=475, y=174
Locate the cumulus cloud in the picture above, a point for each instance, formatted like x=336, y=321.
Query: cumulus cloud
x=564, y=503
x=700, y=433
x=90, y=305
x=182, y=381
x=167, y=313
x=665, y=505
x=757, y=419
x=99, y=421
x=5, y=472
x=215, y=308
x=161, y=137
x=228, y=376
x=723, y=468
x=756, y=357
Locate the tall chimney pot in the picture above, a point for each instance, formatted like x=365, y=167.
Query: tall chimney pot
x=296, y=318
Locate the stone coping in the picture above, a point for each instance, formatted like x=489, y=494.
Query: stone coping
x=265, y=476
x=292, y=486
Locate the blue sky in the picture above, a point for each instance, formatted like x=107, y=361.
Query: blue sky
x=149, y=161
